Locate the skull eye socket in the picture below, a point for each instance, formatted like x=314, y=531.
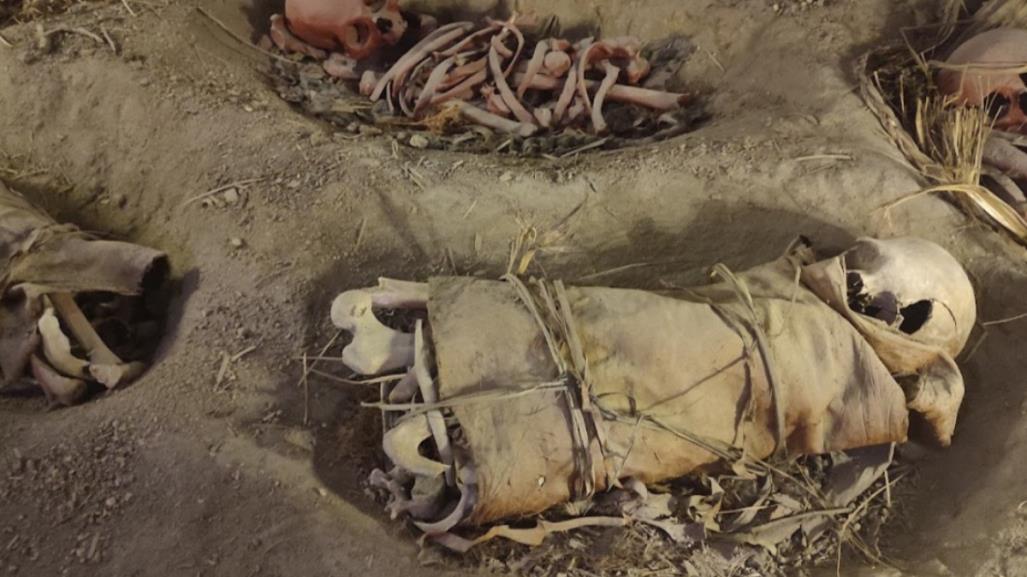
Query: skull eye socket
x=996, y=104
x=915, y=316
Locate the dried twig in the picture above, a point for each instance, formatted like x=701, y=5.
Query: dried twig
x=306, y=392
x=1004, y=321
x=5, y=42
x=129, y=8
x=110, y=41
x=79, y=31
x=307, y=369
x=220, y=189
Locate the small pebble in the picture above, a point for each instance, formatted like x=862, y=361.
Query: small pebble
x=236, y=242
x=231, y=196
x=506, y=176
x=419, y=141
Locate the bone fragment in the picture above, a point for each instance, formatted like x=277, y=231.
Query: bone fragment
x=341, y=66
x=479, y=116
x=435, y=79
x=368, y=80
x=405, y=389
x=557, y=63
x=636, y=70
x=566, y=95
x=647, y=97
x=463, y=507
x=598, y=122
x=57, y=387
x=534, y=65
x=544, y=116
x=437, y=424
x=401, y=446
x=437, y=39
x=57, y=348
x=1006, y=157
x=104, y=365
x=375, y=348
x=464, y=71
x=464, y=43
x=462, y=89
x=509, y=97
x=400, y=294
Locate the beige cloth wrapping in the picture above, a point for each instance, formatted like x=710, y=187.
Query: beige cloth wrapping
x=675, y=381
x=40, y=256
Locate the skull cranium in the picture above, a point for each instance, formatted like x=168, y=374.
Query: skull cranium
x=988, y=78
x=914, y=286
x=359, y=27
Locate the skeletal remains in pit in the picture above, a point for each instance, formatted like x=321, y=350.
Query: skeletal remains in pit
x=988, y=70
x=504, y=76
x=515, y=397
x=58, y=280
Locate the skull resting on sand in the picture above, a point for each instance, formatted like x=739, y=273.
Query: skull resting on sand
x=914, y=286
x=358, y=27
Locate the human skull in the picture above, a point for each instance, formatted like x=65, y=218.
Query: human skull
x=359, y=27
x=914, y=286
x=1003, y=92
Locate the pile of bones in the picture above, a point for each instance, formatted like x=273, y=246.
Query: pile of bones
x=488, y=75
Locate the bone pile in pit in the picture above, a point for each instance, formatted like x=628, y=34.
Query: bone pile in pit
x=494, y=77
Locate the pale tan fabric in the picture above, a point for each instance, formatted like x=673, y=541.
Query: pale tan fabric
x=662, y=368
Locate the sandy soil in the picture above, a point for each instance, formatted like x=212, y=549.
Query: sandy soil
x=178, y=475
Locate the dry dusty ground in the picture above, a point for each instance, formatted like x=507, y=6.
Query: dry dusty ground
x=176, y=475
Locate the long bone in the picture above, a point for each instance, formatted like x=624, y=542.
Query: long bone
x=509, y=97
x=375, y=348
x=534, y=65
x=489, y=120
x=435, y=79
x=104, y=366
x=57, y=348
x=64, y=390
x=647, y=97
x=437, y=424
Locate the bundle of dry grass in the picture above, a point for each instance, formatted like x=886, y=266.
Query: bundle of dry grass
x=944, y=143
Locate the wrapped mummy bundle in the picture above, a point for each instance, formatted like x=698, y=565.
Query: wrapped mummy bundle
x=522, y=395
